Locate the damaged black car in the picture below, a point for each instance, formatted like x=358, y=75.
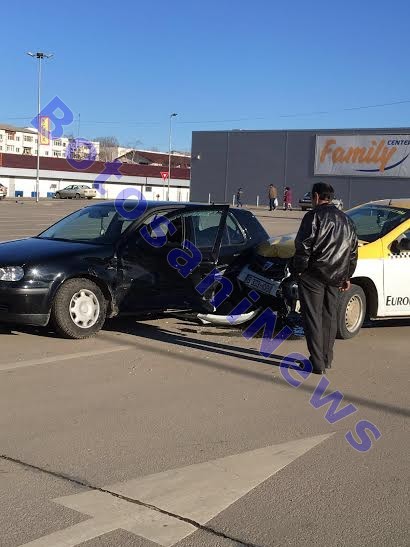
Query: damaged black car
x=104, y=260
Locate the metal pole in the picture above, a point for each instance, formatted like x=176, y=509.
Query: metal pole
x=40, y=56
x=209, y=198
x=169, y=151
x=169, y=154
x=39, y=129
x=257, y=201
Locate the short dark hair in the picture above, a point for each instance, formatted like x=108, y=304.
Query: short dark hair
x=325, y=191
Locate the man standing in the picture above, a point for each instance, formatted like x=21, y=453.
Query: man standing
x=325, y=259
x=273, y=196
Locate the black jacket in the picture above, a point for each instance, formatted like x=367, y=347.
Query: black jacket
x=326, y=245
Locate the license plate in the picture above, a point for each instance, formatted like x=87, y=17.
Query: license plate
x=258, y=284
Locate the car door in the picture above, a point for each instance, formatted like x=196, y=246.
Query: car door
x=152, y=276
x=397, y=272
x=65, y=192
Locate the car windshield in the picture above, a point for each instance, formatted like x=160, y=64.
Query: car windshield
x=375, y=221
x=99, y=224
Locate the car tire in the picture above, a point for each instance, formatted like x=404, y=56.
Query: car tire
x=90, y=198
x=77, y=196
x=79, y=309
x=351, y=312
x=57, y=195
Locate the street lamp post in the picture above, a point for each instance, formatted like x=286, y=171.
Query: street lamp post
x=170, y=144
x=40, y=56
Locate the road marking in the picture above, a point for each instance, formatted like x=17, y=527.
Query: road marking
x=197, y=492
x=58, y=358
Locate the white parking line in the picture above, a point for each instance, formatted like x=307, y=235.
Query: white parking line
x=58, y=358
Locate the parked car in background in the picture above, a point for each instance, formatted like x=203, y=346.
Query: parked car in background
x=76, y=191
x=96, y=263
x=305, y=203
x=3, y=191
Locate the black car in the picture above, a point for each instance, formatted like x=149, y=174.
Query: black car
x=101, y=262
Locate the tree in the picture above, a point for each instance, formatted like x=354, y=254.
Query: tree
x=108, y=148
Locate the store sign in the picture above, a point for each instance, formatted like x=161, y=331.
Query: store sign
x=363, y=155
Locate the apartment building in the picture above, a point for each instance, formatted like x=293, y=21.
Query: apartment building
x=23, y=140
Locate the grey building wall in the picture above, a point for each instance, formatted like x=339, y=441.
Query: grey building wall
x=223, y=161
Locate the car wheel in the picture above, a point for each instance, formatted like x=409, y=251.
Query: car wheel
x=79, y=309
x=351, y=312
x=77, y=196
x=57, y=195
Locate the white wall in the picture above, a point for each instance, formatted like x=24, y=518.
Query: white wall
x=151, y=188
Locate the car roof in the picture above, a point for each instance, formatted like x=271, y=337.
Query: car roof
x=403, y=203
x=151, y=204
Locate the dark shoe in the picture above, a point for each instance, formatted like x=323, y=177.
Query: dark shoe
x=318, y=371
x=328, y=366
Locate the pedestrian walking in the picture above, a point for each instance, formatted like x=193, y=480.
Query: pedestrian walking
x=273, y=197
x=287, y=199
x=239, y=197
x=325, y=260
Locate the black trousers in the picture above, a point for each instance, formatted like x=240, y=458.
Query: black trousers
x=319, y=310
x=272, y=205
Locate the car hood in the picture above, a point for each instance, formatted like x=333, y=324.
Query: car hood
x=283, y=247
x=278, y=247
x=35, y=250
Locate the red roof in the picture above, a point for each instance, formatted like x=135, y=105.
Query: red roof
x=20, y=161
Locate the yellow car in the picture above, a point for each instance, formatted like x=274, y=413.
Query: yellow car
x=380, y=285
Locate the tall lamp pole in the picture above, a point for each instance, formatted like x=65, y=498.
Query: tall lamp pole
x=170, y=144
x=40, y=56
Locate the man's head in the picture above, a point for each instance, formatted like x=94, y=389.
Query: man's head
x=322, y=193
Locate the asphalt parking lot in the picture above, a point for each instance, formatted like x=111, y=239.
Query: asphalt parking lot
x=165, y=432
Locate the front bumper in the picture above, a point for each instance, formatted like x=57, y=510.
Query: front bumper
x=22, y=305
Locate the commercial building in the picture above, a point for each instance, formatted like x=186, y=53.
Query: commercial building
x=361, y=164
x=23, y=140
x=18, y=174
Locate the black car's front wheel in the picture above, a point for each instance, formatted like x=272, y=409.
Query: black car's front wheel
x=79, y=309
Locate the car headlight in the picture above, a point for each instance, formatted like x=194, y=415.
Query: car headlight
x=11, y=273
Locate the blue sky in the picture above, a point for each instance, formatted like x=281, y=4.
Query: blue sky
x=220, y=64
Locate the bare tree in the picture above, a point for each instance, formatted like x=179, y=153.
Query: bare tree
x=108, y=148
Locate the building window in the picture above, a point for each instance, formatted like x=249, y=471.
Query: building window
x=1, y=137
x=27, y=150
x=46, y=153
x=57, y=143
x=28, y=138
x=10, y=135
x=18, y=150
x=17, y=138
x=10, y=148
x=1, y=148
x=148, y=188
x=56, y=154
